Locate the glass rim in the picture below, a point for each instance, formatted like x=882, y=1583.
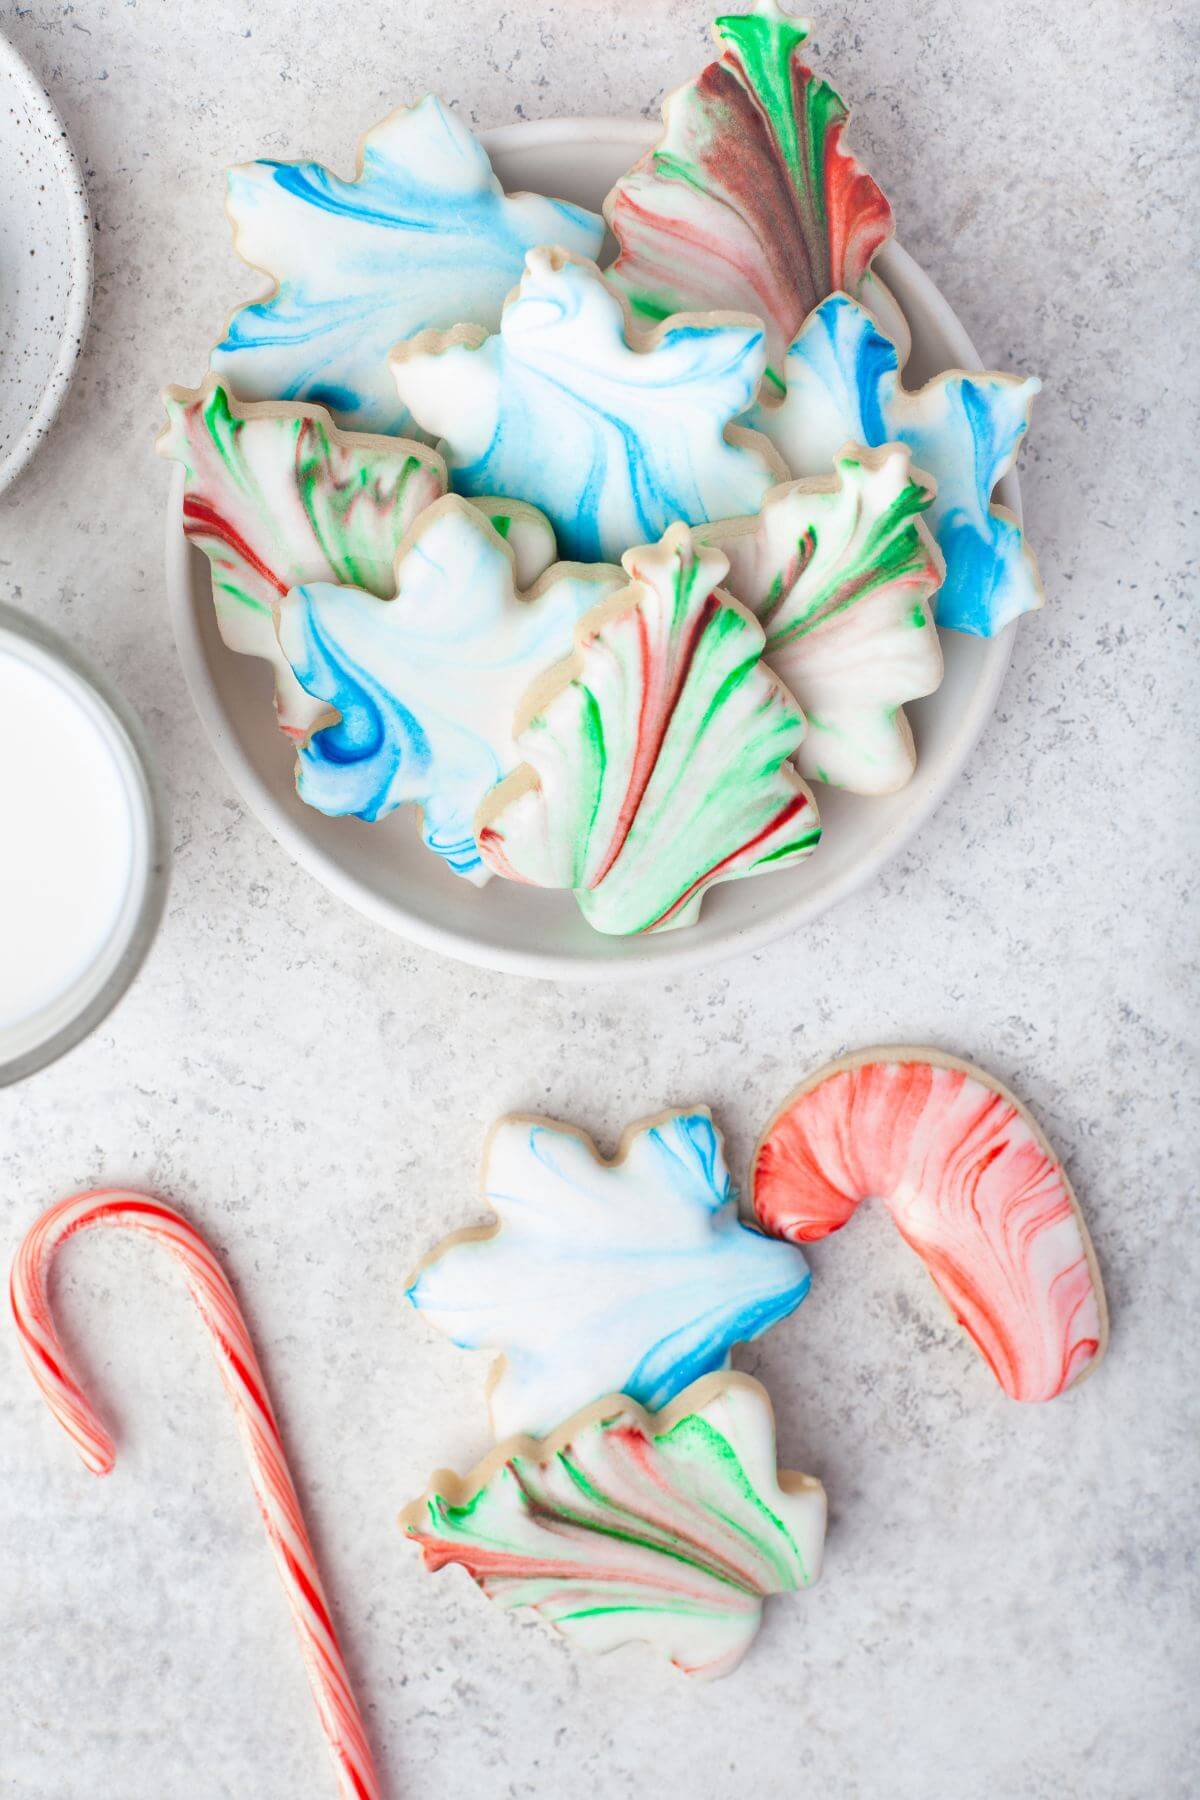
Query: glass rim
x=141, y=934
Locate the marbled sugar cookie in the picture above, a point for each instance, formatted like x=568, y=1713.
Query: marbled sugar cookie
x=963, y=429
x=632, y=1276
x=425, y=684
x=423, y=236
x=972, y=1186
x=276, y=495
x=657, y=756
x=749, y=201
x=614, y=435
x=622, y=1526
x=839, y=572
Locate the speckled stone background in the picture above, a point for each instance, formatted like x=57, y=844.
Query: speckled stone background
x=1009, y=1605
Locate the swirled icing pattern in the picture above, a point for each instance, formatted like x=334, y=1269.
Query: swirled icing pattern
x=613, y=442
x=276, y=496
x=840, y=572
x=634, y=1276
x=843, y=382
x=749, y=201
x=972, y=1187
x=626, y=1527
x=425, y=685
x=656, y=762
x=423, y=236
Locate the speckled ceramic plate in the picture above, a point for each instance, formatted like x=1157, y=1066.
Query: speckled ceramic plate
x=45, y=263
x=385, y=871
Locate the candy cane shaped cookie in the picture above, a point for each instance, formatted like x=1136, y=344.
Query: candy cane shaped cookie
x=244, y=1383
x=972, y=1186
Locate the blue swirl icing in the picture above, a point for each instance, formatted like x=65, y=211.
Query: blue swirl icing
x=426, y=685
x=636, y=1276
x=425, y=236
x=613, y=443
x=843, y=385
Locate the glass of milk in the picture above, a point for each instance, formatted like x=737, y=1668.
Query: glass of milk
x=82, y=847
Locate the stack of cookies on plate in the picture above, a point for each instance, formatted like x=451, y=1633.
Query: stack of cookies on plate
x=597, y=564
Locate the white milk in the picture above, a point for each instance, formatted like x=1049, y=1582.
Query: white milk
x=74, y=845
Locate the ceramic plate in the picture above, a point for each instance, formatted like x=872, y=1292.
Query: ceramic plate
x=384, y=870
x=45, y=263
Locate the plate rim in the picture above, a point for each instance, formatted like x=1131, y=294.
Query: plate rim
x=79, y=294
x=669, y=953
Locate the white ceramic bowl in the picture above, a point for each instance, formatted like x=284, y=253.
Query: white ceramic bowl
x=384, y=870
x=45, y=263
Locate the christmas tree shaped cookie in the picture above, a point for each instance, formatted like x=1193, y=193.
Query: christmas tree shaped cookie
x=668, y=1529
x=656, y=758
x=840, y=573
x=749, y=201
x=277, y=495
x=962, y=429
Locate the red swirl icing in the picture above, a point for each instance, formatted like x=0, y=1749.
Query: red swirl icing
x=750, y=201
x=971, y=1186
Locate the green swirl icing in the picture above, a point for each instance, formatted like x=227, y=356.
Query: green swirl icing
x=765, y=42
x=275, y=496
x=669, y=1529
x=750, y=202
x=840, y=573
x=660, y=764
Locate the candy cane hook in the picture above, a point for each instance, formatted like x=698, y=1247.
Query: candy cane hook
x=244, y=1383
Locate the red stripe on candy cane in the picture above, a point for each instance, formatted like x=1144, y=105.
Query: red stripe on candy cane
x=274, y=1489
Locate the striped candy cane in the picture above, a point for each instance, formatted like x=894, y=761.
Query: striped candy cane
x=243, y=1379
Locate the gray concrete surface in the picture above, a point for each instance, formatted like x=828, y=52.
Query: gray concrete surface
x=1009, y=1604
